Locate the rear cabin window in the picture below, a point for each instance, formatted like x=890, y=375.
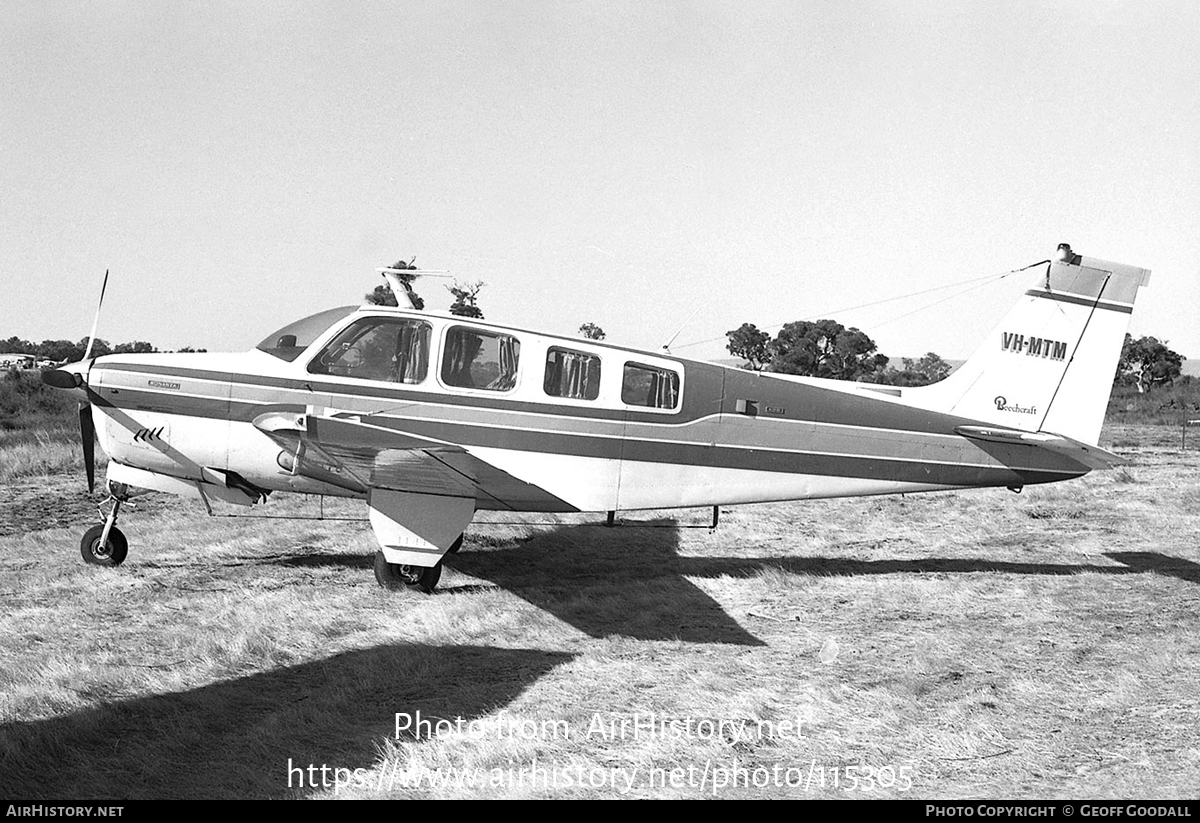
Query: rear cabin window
x=572, y=374
x=650, y=386
x=377, y=348
x=478, y=359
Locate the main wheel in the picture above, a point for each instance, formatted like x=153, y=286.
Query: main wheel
x=112, y=553
x=401, y=576
x=456, y=545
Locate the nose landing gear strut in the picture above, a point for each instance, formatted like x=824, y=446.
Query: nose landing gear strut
x=105, y=544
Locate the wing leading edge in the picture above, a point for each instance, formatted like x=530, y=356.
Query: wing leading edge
x=365, y=453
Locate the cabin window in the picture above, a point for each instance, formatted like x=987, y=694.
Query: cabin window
x=650, y=386
x=572, y=374
x=378, y=348
x=477, y=359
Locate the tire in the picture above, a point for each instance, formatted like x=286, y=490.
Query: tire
x=111, y=554
x=456, y=545
x=397, y=576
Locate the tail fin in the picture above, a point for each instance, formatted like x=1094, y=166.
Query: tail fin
x=1049, y=365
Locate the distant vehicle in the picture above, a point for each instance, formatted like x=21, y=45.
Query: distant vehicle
x=17, y=361
x=431, y=417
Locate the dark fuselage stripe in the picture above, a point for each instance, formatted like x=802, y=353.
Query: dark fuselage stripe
x=709, y=389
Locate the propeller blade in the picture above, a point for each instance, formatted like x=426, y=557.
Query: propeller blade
x=87, y=431
x=96, y=322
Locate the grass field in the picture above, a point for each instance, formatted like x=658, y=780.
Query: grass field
x=988, y=645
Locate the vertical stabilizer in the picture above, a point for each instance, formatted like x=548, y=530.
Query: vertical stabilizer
x=1049, y=365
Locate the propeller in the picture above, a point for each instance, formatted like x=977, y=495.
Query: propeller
x=96, y=321
x=87, y=431
x=74, y=376
x=87, y=426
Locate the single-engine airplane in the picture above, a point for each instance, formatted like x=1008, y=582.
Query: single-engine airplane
x=431, y=417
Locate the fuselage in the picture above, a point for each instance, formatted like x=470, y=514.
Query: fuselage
x=596, y=426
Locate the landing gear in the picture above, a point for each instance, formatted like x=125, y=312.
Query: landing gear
x=401, y=576
x=456, y=545
x=103, y=552
x=105, y=544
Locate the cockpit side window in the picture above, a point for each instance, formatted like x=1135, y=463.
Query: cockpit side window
x=387, y=349
x=479, y=359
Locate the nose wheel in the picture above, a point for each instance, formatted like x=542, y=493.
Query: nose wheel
x=99, y=551
x=105, y=544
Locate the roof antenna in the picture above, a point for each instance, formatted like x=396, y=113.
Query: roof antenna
x=667, y=345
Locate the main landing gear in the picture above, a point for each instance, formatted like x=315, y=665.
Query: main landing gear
x=398, y=576
x=105, y=544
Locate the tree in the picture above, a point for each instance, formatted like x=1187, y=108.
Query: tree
x=100, y=347
x=929, y=369
x=825, y=348
x=136, y=347
x=464, y=299
x=750, y=344
x=382, y=295
x=1146, y=363
x=61, y=350
x=15, y=345
x=592, y=332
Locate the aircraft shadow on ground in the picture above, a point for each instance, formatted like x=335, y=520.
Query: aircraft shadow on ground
x=604, y=582
x=632, y=582
x=1132, y=563
x=234, y=739
x=628, y=582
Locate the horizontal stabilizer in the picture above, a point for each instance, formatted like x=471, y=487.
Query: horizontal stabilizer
x=1091, y=456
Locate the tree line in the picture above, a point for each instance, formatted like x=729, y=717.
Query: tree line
x=64, y=351
x=826, y=348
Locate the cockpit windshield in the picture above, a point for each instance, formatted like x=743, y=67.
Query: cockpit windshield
x=287, y=343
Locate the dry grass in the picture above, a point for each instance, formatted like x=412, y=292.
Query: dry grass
x=989, y=645
x=36, y=453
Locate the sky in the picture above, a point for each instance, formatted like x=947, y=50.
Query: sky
x=662, y=169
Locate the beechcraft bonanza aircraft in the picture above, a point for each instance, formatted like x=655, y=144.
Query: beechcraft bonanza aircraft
x=431, y=417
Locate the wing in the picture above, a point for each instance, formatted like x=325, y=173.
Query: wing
x=365, y=453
